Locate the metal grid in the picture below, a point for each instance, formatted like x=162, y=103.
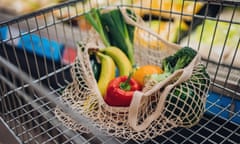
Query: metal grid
x=30, y=85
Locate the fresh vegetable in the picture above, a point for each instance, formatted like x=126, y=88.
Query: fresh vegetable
x=174, y=62
x=94, y=18
x=96, y=66
x=94, y=61
x=113, y=30
x=143, y=71
x=120, y=91
x=120, y=33
x=186, y=97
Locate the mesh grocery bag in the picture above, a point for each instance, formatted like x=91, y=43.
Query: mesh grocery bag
x=178, y=101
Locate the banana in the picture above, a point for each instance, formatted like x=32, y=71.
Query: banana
x=107, y=72
x=121, y=60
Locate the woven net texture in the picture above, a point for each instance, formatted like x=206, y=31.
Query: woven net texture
x=178, y=101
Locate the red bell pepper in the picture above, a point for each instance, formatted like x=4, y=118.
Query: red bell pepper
x=120, y=91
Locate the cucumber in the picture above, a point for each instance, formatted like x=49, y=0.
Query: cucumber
x=184, y=101
x=96, y=66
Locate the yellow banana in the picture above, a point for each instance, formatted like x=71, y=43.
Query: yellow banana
x=107, y=72
x=121, y=60
x=90, y=104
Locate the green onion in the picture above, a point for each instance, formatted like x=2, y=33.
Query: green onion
x=93, y=17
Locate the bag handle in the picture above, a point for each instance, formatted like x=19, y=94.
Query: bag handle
x=140, y=24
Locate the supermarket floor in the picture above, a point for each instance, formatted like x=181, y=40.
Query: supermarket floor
x=6, y=136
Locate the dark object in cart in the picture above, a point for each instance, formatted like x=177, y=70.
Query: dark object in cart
x=30, y=87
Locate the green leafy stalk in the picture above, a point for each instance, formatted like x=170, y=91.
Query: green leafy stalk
x=131, y=28
x=121, y=34
x=113, y=29
x=93, y=17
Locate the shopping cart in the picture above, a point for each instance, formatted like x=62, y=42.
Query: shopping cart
x=34, y=74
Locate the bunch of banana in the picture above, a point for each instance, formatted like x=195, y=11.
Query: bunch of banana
x=112, y=58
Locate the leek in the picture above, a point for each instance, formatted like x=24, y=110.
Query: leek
x=113, y=30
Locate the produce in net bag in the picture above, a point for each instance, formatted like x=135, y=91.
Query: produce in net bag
x=105, y=89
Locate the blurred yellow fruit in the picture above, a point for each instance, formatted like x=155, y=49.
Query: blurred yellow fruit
x=168, y=8
x=168, y=30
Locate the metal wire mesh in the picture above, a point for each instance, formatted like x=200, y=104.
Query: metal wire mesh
x=28, y=113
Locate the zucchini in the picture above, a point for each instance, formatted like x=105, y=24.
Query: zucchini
x=185, y=100
x=96, y=66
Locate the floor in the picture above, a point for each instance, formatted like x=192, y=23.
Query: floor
x=5, y=136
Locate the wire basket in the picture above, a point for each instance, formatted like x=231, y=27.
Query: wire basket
x=36, y=61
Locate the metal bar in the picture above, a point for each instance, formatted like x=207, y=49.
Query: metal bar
x=43, y=92
x=27, y=98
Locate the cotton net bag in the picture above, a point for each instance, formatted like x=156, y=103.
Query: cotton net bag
x=178, y=101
